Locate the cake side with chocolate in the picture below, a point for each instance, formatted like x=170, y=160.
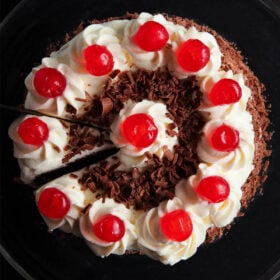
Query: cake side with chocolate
x=188, y=117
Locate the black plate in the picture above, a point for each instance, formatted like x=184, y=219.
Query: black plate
x=249, y=251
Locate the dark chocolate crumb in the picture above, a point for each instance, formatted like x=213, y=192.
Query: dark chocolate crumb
x=81, y=138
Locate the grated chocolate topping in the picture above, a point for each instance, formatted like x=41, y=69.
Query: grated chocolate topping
x=81, y=138
x=146, y=189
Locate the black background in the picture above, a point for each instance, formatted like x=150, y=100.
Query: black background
x=6, y=6
x=267, y=26
x=6, y=270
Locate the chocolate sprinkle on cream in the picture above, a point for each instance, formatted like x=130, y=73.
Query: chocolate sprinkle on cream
x=81, y=138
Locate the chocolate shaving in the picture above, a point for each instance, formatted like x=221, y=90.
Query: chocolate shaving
x=70, y=109
x=107, y=105
x=74, y=176
x=81, y=138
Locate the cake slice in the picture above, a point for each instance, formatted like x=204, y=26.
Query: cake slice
x=43, y=144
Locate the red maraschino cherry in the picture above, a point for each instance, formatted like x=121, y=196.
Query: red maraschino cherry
x=176, y=225
x=224, y=138
x=109, y=228
x=53, y=203
x=99, y=60
x=151, y=36
x=192, y=55
x=33, y=131
x=225, y=91
x=213, y=189
x=49, y=82
x=139, y=130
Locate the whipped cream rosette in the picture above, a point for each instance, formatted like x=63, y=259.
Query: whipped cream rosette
x=61, y=202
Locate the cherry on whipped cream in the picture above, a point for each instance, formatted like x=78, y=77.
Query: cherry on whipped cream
x=176, y=225
x=139, y=130
x=33, y=131
x=192, y=55
x=213, y=189
x=225, y=91
x=99, y=60
x=53, y=203
x=224, y=138
x=109, y=228
x=49, y=82
x=151, y=36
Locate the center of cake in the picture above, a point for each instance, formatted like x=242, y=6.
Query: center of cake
x=154, y=121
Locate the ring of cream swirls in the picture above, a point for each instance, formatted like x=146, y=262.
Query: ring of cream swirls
x=143, y=227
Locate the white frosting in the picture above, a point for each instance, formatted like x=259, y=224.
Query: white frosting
x=239, y=159
x=132, y=156
x=217, y=214
x=98, y=246
x=79, y=199
x=34, y=160
x=207, y=39
x=224, y=111
x=223, y=213
x=73, y=95
x=143, y=59
x=152, y=242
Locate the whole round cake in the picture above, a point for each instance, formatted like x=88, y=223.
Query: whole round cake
x=186, y=115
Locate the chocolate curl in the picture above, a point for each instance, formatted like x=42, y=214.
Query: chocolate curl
x=167, y=153
x=106, y=105
x=101, y=107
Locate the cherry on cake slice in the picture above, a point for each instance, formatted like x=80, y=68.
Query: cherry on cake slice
x=43, y=144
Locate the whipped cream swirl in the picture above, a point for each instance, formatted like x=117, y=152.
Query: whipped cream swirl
x=181, y=35
x=240, y=159
x=213, y=214
x=143, y=59
x=228, y=110
x=152, y=242
x=34, y=160
x=79, y=199
x=98, y=246
x=73, y=95
x=132, y=156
